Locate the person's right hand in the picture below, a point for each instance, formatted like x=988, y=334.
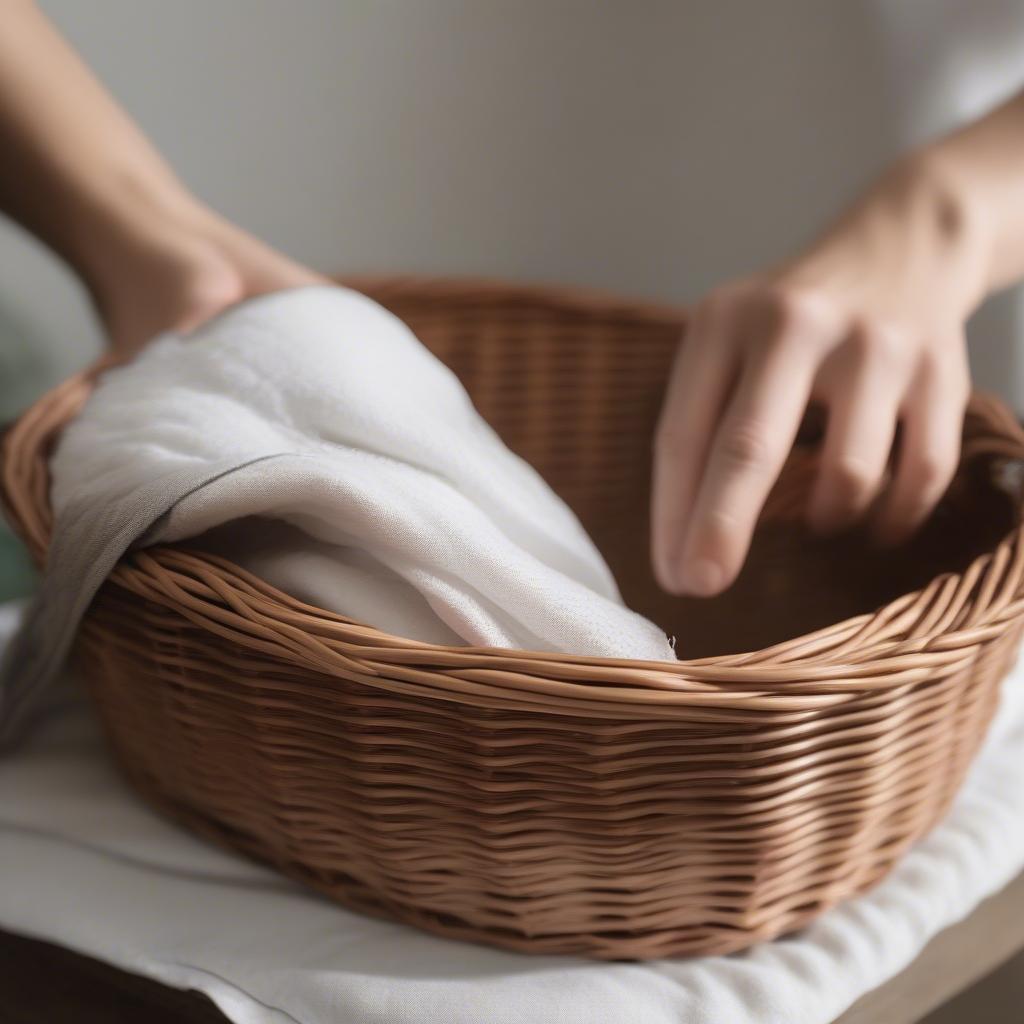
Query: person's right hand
x=174, y=269
x=77, y=173
x=870, y=323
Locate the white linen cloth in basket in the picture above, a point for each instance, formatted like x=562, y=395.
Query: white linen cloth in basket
x=84, y=864
x=390, y=498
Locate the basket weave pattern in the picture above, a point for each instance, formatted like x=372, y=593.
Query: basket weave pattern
x=543, y=802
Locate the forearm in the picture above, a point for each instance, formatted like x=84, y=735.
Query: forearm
x=77, y=173
x=75, y=166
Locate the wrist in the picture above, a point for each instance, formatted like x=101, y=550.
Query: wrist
x=149, y=256
x=939, y=203
x=106, y=224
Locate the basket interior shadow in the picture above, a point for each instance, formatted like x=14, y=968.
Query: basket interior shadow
x=795, y=581
x=582, y=408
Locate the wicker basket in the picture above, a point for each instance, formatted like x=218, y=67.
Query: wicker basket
x=557, y=804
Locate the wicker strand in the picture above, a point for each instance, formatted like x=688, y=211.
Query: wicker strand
x=821, y=719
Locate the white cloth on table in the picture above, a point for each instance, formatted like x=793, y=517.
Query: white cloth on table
x=84, y=864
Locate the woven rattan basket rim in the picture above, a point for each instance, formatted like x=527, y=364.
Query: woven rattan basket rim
x=897, y=645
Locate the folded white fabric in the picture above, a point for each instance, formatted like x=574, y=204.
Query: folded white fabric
x=345, y=426
x=319, y=409
x=147, y=897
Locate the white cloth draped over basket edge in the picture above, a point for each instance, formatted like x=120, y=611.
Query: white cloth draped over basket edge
x=392, y=500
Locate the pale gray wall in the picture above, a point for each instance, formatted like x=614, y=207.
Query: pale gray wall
x=648, y=146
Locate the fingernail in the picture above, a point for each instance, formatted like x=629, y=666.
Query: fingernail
x=702, y=578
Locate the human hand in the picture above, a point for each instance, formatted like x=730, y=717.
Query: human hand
x=870, y=323
x=77, y=173
x=173, y=270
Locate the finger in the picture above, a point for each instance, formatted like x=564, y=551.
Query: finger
x=747, y=455
x=929, y=450
x=858, y=436
x=702, y=375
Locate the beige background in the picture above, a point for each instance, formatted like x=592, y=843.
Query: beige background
x=648, y=146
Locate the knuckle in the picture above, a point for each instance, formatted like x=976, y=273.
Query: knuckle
x=794, y=308
x=932, y=470
x=798, y=310
x=852, y=479
x=878, y=342
x=722, y=523
x=747, y=446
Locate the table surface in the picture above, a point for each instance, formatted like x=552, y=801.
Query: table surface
x=44, y=982
x=953, y=961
